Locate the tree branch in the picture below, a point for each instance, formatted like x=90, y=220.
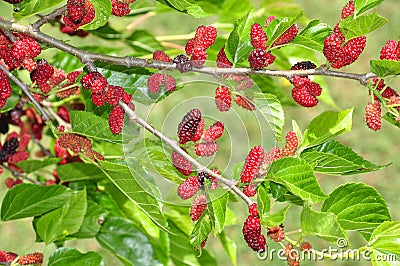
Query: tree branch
x=88, y=58
x=44, y=19
x=25, y=89
x=231, y=184
x=20, y=175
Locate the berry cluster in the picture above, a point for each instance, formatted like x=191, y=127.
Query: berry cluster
x=339, y=51
x=252, y=231
x=305, y=90
x=292, y=255
x=102, y=92
x=28, y=259
x=391, y=50
x=197, y=47
x=120, y=9
x=79, y=13
x=261, y=57
x=276, y=233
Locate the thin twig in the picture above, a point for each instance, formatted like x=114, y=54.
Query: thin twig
x=89, y=57
x=25, y=89
x=20, y=175
x=231, y=184
x=42, y=148
x=59, y=120
x=44, y=19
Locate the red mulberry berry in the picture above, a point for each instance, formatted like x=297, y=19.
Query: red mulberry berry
x=258, y=59
x=120, y=9
x=181, y=164
x=303, y=97
x=252, y=233
x=198, y=57
x=333, y=50
x=155, y=81
x=75, y=11
x=26, y=47
x=63, y=112
x=250, y=190
x=206, y=148
x=10, y=183
x=258, y=37
x=223, y=98
x=116, y=119
x=348, y=10
x=214, y=132
x=222, y=60
x=189, y=47
x=205, y=36
x=42, y=72
x=276, y=233
x=89, y=79
x=269, y=20
x=169, y=83
x=253, y=209
x=99, y=99
x=161, y=56
x=188, y=126
x=189, y=187
x=252, y=164
x=199, y=131
x=126, y=98
x=5, y=88
x=389, y=51
x=287, y=36
x=291, y=144
x=199, y=205
x=305, y=246
x=113, y=94
x=354, y=48
x=183, y=63
x=245, y=103
x=373, y=115
x=35, y=258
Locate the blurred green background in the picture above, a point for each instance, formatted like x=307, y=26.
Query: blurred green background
x=379, y=147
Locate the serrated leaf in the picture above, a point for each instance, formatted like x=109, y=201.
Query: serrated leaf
x=278, y=26
x=229, y=246
x=238, y=45
x=264, y=203
x=298, y=177
x=127, y=242
x=274, y=219
x=92, y=221
x=362, y=6
x=27, y=200
x=92, y=126
x=384, y=68
x=357, y=207
x=272, y=110
x=79, y=171
x=321, y=224
x=68, y=256
x=386, y=238
x=200, y=232
x=313, y=35
x=34, y=7
x=334, y=158
x=32, y=165
x=132, y=182
x=197, y=11
x=64, y=221
x=362, y=25
x=326, y=126
x=102, y=9
x=219, y=202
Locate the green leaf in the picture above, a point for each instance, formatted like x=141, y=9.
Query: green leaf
x=79, y=171
x=108, y=33
x=92, y=126
x=27, y=200
x=127, y=242
x=132, y=182
x=200, y=232
x=384, y=68
x=334, y=158
x=69, y=256
x=298, y=177
x=391, y=119
x=278, y=26
x=229, y=246
x=357, y=207
x=362, y=6
x=102, y=9
x=64, y=221
x=321, y=224
x=313, y=35
x=92, y=222
x=238, y=45
x=274, y=219
x=219, y=202
x=263, y=201
x=386, y=238
x=13, y=100
x=326, y=126
x=143, y=42
x=32, y=165
x=362, y=25
x=34, y=7
x=272, y=110
x=197, y=11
